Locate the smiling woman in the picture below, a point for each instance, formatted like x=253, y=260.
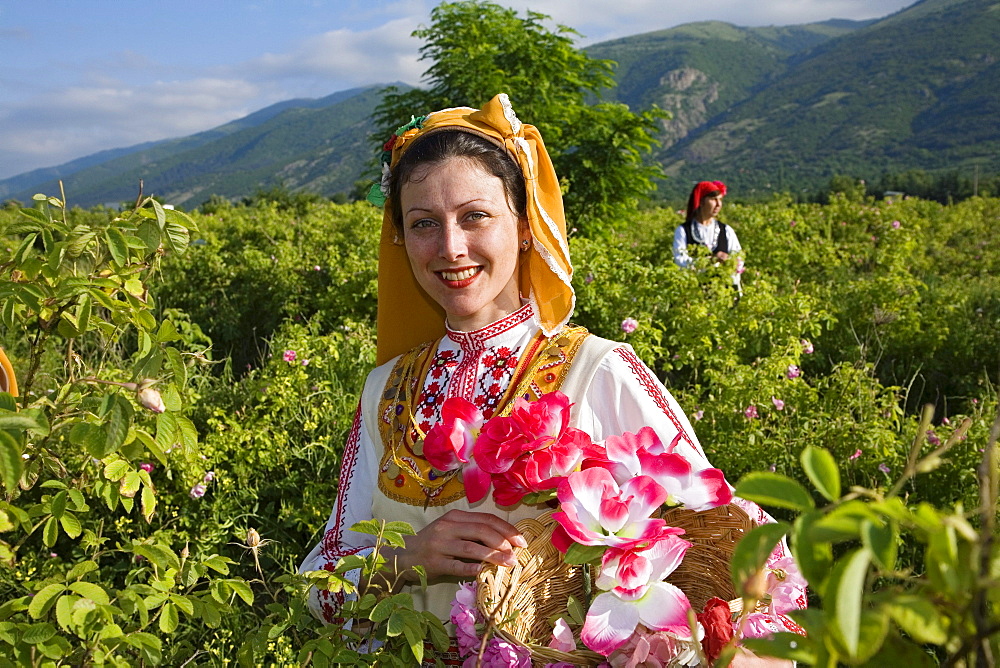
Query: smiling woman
x=475, y=296
x=462, y=232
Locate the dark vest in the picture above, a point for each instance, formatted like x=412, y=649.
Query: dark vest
x=721, y=244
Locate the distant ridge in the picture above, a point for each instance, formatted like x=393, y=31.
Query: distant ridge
x=777, y=108
x=308, y=144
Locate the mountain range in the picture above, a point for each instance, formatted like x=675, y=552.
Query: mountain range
x=778, y=108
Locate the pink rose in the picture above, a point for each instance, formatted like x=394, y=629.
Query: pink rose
x=448, y=445
x=750, y=412
x=793, y=371
x=778, y=403
x=629, y=325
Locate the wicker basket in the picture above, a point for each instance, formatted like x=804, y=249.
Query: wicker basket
x=522, y=601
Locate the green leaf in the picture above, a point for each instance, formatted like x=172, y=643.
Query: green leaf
x=10, y=460
x=81, y=569
x=50, y=532
x=21, y=254
x=144, y=320
x=395, y=625
x=79, y=503
x=821, y=468
x=117, y=245
x=44, y=599
x=844, y=595
x=178, y=237
x=242, y=590
x=91, y=438
x=813, y=557
x=167, y=332
x=919, y=618
x=752, y=552
x=774, y=489
x=790, y=646
x=59, y=503
x=130, y=484
x=184, y=603
x=583, y=554
x=402, y=528
x=169, y=619
x=118, y=421
x=92, y=591
x=148, y=503
x=83, y=313
x=882, y=539
x=382, y=610
x=843, y=522
x=26, y=421
x=161, y=216
x=151, y=445
x=116, y=469
x=67, y=326
x=70, y=524
x=38, y=633
x=217, y=563
x=64, y=611
x=414, y=632
x=149, y=232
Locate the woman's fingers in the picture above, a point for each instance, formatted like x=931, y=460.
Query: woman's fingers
x=459, y=542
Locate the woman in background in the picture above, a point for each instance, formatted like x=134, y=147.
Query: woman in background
x=702, y=228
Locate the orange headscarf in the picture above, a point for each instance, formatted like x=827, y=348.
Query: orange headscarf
x=8, y=383
x=407, y=316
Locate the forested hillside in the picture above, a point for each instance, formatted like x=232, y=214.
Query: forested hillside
x=916, y=90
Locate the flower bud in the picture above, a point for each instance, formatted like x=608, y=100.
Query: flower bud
x=151, y=399
x=253, y=538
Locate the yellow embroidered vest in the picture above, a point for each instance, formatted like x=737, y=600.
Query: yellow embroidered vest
x=404, y=475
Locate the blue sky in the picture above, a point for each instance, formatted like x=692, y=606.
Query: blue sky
x=80, y=76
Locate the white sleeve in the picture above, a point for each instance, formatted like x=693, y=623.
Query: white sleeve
x=681, y=257
x=626, y=396
x=734, y=242
x=358, y=477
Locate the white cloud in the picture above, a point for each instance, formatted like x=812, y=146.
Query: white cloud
x=60, y=125
x=347, y=58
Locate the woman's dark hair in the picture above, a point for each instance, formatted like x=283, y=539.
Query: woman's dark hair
x=691, y=208
x=441, y=145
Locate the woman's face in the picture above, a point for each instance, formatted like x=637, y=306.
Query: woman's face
x=710, y=207
x=462, y=239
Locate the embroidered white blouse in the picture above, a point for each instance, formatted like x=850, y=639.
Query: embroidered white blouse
x=624, y=396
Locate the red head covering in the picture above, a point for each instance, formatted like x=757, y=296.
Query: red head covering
x=702, y=189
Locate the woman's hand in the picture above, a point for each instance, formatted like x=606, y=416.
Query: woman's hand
x=457, y=544
x=722, y=256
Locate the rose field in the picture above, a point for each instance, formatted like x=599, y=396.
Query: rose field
x=186, y=383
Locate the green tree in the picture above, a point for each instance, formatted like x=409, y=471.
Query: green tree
x=478, y=49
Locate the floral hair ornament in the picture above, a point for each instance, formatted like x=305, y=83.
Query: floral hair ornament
x=705, y=187
x=407, y=316
x=379, y=191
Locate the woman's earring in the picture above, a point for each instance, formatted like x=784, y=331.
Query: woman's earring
x=525, y=244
